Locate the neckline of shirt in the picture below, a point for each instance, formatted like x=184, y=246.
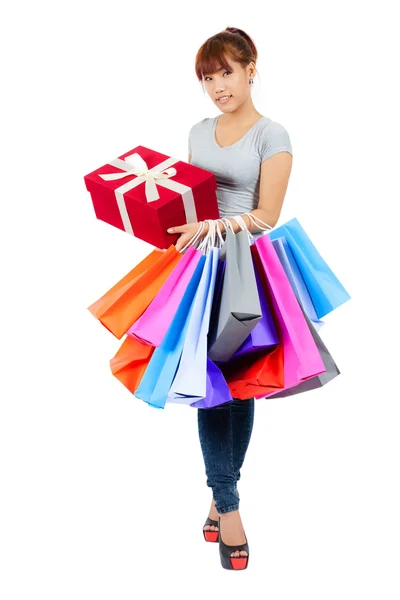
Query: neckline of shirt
x=238, y=141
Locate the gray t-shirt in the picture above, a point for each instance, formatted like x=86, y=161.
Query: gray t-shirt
x=237, y=167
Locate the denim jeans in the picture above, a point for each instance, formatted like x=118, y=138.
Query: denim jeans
x=224, y=433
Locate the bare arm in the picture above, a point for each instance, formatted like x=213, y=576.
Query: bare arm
x=274, y=180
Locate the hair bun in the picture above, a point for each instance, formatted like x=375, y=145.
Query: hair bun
x=246, y=37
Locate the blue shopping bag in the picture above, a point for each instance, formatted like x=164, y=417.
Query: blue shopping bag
x=190, y=382
x=299, y=287
x=160, y=372
x=326, y=291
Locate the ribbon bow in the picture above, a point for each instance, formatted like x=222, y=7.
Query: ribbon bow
x=136, y=165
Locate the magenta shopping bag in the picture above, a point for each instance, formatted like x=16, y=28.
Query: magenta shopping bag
x=302, y=359
x=152, y=326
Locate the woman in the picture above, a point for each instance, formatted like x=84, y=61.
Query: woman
x=251, y=157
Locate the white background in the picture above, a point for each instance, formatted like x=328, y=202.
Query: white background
x=102, y=496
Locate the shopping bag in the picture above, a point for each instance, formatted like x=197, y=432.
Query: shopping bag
x=255, y=375
x=264, y=334
x=130, y=362
x=119, y=308
x=301, y=357
x=216, y=301
x=239, y=309
x=190, y=382
x=114, y=293
x=159, y=375
x=292, y=271
x=326, y=291
x=331, y=368
x=217, y=391
x=152, y=326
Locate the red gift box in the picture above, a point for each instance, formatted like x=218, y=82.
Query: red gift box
x=144, y=192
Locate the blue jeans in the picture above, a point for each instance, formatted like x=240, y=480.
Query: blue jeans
x=224, y=433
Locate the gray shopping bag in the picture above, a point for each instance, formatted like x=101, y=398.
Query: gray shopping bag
x=239, y=308
x=318, y=381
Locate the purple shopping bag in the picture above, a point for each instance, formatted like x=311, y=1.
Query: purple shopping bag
x=217, y=388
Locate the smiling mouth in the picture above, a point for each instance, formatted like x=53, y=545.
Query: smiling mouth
x=224, y=98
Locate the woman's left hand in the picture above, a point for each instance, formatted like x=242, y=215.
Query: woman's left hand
x=187, y=233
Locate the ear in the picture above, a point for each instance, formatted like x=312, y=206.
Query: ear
x=252, y=70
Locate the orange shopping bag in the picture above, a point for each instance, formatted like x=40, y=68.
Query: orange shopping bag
x=127, y=300
x=98, y=307
x=130, y=362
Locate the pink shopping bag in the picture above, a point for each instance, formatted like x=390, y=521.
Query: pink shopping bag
x=153, y=324
x=302, y=359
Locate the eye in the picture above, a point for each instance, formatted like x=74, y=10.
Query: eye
x=205, y=78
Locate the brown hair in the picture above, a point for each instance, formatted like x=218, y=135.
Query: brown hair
x=231, y=42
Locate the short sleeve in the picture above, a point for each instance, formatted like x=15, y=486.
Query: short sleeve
x=190, y=140
x=274, y=139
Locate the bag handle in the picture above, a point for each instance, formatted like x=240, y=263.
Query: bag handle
x=194, y=239
x=221, y=237
x=242, y=224
x=253, y=219
x=218, y=240
x=209, y=239
x=227, y=223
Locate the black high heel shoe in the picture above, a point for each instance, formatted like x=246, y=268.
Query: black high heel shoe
x=236, y=563
x=209, y=534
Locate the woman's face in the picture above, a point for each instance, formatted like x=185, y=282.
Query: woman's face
x=233, y=83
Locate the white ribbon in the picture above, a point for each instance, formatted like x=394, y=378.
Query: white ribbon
x=134, y=164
